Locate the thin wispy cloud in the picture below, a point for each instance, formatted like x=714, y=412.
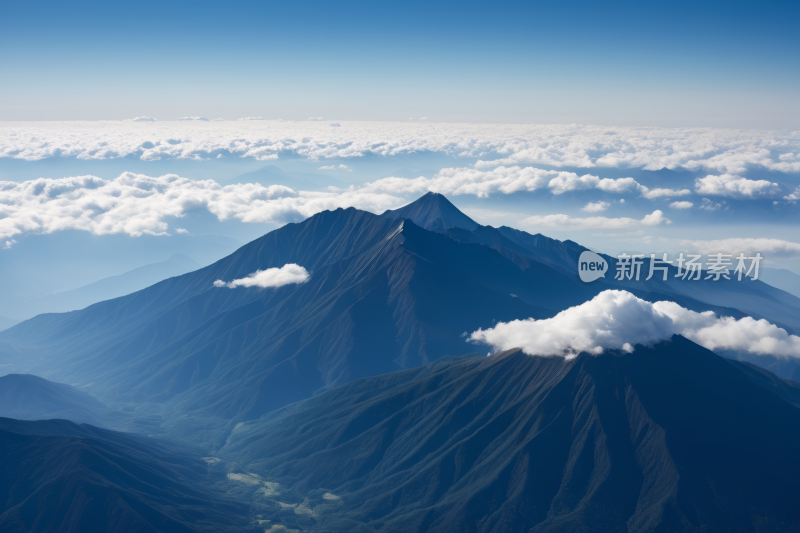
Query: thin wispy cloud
x=568, y=222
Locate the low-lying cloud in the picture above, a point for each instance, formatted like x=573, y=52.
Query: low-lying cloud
x=269, y=278
x=715, y=150
x=618, y=320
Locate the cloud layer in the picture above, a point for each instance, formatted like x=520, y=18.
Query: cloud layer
x=269, y=278
x=716, y=150
x=618, y=320
x=136, y=204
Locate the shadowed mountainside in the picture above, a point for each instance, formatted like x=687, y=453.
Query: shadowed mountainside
x=62, y=477
x=673, y=438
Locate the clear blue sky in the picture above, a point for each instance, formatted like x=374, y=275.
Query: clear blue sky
x=638, y=63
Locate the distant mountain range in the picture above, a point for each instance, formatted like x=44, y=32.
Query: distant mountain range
x=41, y=267
x=386, y=292
x=114, y=286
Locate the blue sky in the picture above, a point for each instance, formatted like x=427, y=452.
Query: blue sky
x=668, y=64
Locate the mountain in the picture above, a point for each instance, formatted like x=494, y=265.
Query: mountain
x=783, y=279
x=726, y=297
x=112, y=287
x=669, y=438
x=384, y=294
x=64, y=477
x=25, y=395
x=433, y=212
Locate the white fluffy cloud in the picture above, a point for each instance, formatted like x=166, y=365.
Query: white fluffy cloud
x=202, y=119
x=567, y=222
x=618, y=320
x=715, y=150
x=143, y=119
x=681, y=205
x=595, y=207
x=137, y=204
x=269, y=278
x=775, y=248
x=336, y=167
x=736, y=187
x=481, y=183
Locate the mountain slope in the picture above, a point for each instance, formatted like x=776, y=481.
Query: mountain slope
x=61, y=477
x=673, y=438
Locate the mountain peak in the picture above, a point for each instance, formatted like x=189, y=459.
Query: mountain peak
x=433, y=212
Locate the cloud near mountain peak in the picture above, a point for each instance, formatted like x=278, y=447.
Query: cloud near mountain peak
x=618, y=320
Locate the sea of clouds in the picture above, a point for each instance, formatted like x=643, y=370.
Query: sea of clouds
x=618, y=320
x=724, y=151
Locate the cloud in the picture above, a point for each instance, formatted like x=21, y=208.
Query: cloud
x=736, y=187
x=314, y=118
x=618, y=320
x=136, y=204
x=567, y=222
x=709, y=205
x=775, y=248
x=619, y=186
x=9, y=244
x=481, y=183
x=269, y=278
x=202, y=119
x=794, y=196
x=595, y=207
x=181, y=231
x=652, y=194
x=681, y=205
x=335, y=167
x=250, y=118
x=509, y=145
x=143, y=119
